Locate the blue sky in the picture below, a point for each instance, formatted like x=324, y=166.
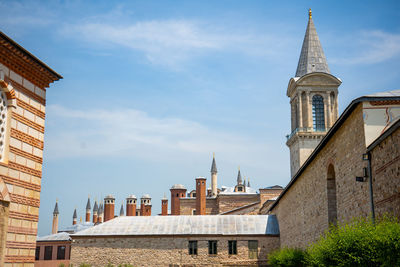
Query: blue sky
x=152, y=88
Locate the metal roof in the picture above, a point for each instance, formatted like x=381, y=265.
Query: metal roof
x=178, y=186
x=63, y=236
x=78, y=227
x=186, y=225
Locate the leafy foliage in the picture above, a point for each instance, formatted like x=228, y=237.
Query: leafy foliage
x=357, y=243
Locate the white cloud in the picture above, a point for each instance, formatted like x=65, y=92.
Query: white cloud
x=133, y=133
x=369, y=47
x=172, y=42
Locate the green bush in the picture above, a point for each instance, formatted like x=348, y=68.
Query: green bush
x=293, y=257
x=357, y=243
x=85, y=265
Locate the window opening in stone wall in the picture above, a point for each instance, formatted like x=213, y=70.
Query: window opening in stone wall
x=3, y=123
x=232, y=247
x=318, y=113
x=4, y=213
x=212, y=247
x=192, y=247
x=331, y=191
x=60, y=252
x=37, y=253
x=48, y=251
x=253, y=249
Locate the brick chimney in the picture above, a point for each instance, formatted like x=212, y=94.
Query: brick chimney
x=54, y=229
x=88, y=208
x=109, y=206
x=145, y=205
x=200, y=196
x=177, y=191
x=164, y=206
x=131, y=205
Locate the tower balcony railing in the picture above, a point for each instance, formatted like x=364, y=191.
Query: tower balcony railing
x=305, y=130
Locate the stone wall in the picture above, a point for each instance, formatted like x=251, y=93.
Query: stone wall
x=303, y=210
x=187, y=205
x=21, y=169
x=234, y=201
x=164, y=251
x=386, y=175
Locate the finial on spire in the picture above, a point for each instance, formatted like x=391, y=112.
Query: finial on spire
x=239, y=168
x=213, y=154
x=309, y=13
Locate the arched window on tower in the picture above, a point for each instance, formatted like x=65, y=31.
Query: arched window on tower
x=318, y=113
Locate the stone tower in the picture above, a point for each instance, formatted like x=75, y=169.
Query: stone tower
x=88, y=208
x=54, y=229
x=95, y=212
x=313, y=96
x=214, y=188
x=74, y=218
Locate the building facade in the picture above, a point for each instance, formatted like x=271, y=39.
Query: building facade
x=23, y=83
x=178, y=241
x=333, y=184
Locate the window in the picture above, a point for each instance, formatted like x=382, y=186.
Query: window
x=318, y=113
x=48, y=251
x=192, y=247
x=253, y=249
x=240, y=189
x=193, y=212
x=212, y=247
x=37, y=253
x=232, y=247
x=60, y=252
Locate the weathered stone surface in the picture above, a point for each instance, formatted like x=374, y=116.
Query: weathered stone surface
x=163, y=251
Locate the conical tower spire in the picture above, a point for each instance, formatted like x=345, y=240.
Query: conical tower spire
x=312, y=57
x=213, y=165
x=239, y=177
x=55, y=212
x=121, y=211
x=74, y=216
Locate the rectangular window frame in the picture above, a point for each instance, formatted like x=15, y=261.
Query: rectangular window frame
x=192, y=247
x=212, y=247
x=253, y=249
x=48, y=253
x=61, y=254
x=37, y=253
x=232, y=247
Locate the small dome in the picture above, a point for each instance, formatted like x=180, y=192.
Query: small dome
x=178, y=186
x=132, y=196
x=146, y=196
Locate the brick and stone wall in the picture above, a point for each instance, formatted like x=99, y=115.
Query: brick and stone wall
x=302, y=211
x=230, y=202
x=187, y=205
x=385, y=163
x=164, y=251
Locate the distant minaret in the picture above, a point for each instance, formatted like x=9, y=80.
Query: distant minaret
x=313, y=94
x=214, y=184
x=74, y=218
x=244, y=181
x=54, y=229
x=248, y=182
x=100, y=213
x=121, y=211
x=88, y=208
x=164, y=206
x=95, y=212
x=239, y=177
